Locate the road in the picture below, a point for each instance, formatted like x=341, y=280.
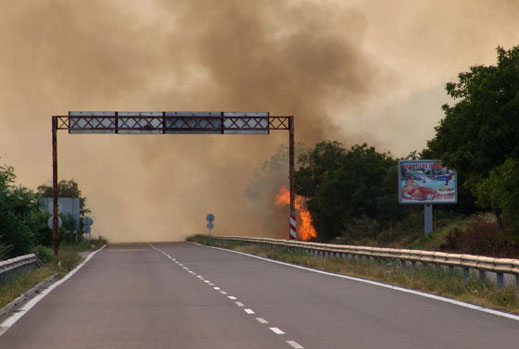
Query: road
x=180, y=295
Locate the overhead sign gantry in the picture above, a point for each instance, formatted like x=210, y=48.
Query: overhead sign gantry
x=106, y=122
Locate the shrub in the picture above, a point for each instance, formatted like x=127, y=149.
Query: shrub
x=44, y=254
x=481, y=236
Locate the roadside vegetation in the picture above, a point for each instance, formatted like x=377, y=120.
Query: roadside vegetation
x=440, y=282
x=24, y=230
x=352, y=195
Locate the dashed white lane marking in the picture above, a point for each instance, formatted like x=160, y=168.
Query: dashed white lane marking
x=276, y=330
x=262, y=320
x=295, y=345
x=126, y=250
x=249, y=311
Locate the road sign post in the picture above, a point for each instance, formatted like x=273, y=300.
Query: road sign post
x=210, y=220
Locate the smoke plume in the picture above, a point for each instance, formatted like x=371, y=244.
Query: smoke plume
x=323, y=62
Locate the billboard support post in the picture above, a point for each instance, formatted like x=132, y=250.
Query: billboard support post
x=428, y=219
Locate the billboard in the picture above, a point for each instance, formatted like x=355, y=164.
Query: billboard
x=426, y=182
x=67, y=206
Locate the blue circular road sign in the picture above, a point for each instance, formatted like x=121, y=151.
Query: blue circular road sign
x=210, y=226
x=210, y=217
x=88, y=221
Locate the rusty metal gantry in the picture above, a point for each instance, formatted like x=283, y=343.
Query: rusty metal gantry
x=170, y=123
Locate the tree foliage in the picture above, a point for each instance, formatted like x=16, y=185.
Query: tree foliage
x=347, y=187
x=18, y=215
x=500, y=191
x=480, y=130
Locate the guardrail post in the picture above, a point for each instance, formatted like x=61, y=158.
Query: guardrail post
x=482, y=275
x=403, y=265
x=451, y=270
x=500, y=281
x=413, y=264
x=466, y=275
x=517, y=283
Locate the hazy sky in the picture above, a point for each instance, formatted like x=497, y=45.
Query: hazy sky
x=356, y=71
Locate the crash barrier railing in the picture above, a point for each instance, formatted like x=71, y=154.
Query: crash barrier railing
x=499, y=266
x=17, y=265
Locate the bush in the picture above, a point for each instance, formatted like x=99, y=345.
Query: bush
x=44, y=254
x=481, y=236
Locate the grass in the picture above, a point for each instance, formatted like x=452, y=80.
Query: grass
x=440, y=282
x=67, y=259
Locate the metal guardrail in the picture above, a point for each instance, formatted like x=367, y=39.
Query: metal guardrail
x=500, y=266
x=17, y=265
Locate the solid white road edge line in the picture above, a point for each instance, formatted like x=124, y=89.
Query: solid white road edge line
x=375, y=283
x=11, y=320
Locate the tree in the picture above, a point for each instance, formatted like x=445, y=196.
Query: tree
x=315, y=165
x=344, y=188
x=500, y=192
x=18, y=208
x=479, y=131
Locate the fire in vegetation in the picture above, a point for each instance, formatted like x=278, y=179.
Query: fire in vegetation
x=305, y=230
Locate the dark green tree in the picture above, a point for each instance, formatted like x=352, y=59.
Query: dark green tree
x=315, y=165
x=480, y=130
x=500, y=191
x=18, y=210
x=345, y=188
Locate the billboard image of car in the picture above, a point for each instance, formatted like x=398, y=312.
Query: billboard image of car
x=426, y=182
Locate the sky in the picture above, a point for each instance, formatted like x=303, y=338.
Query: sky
x=354, y=71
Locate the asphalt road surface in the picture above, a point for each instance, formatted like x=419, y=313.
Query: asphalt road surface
x=181, y=295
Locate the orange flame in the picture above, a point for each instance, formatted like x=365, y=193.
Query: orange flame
x=305, y=230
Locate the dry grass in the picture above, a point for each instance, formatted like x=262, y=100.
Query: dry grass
x=22, y=283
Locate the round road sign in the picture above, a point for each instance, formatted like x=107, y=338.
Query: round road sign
x=210, y=217
x=210, y=225
x=50, y=222
x=88, y=221
x=87, y=229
